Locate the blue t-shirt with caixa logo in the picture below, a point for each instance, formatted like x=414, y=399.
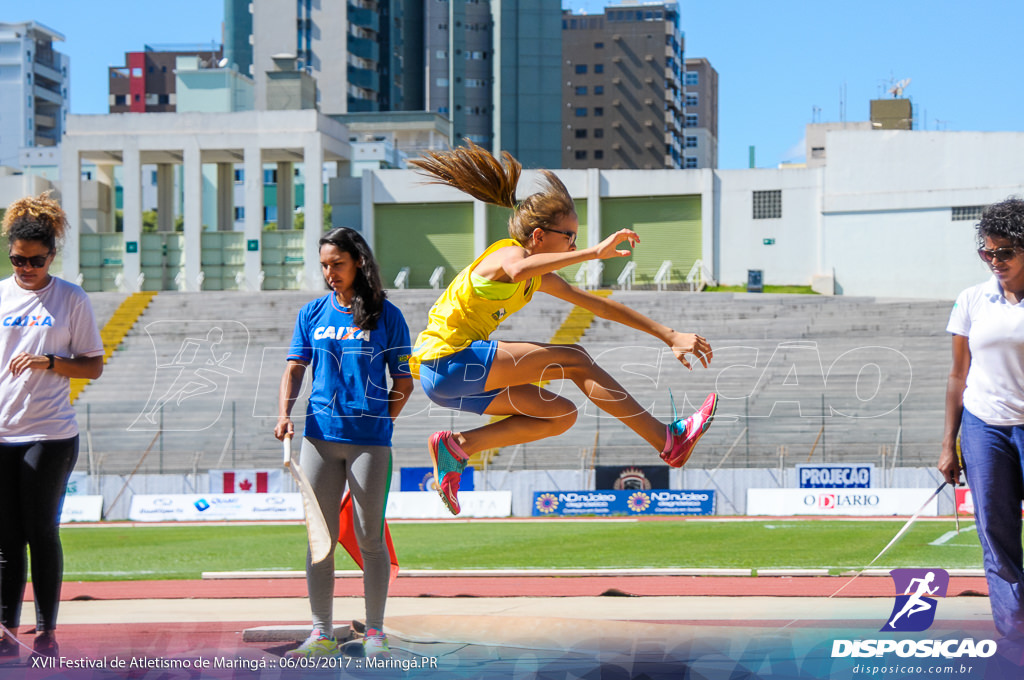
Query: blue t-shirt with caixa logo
x=348, y=400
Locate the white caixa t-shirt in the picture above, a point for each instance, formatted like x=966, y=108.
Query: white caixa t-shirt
x=56, y=319
x=994, y=328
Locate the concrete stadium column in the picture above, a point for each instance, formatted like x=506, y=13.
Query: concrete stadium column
x=225, y=196
x=71, y=201
x=164, y=197
x=479, y=230
x=707, y=221
x=253, y=218
x=285, y=195
x=593, y=207
x=105, y=176
x=313, y=208
x=132, y=202
x=369, y=230
x=192, y=188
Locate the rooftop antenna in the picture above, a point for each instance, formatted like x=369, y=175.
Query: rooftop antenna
x=842, y=103
x=815, y=114
x=896, y=90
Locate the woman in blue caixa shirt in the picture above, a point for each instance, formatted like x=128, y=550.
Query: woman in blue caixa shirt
x=351, y=339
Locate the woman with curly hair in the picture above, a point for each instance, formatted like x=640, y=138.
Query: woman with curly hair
x=48, y=335
x=985, y=406
x=460, y=368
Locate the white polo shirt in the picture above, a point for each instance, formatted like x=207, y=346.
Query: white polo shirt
x=57, y=320
x=994, y=328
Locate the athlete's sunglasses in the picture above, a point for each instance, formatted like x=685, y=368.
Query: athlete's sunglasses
x=1003, y=254
x=570, y=234
x=35, y=262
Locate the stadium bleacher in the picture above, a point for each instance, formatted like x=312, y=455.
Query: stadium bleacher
x=878, y=366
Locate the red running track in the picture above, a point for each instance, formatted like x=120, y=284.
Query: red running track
x=508, y=586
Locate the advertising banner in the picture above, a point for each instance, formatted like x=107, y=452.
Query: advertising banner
x=428, y=505
x=193, y=507
x=631, y=477
x=840, y=502
x=836, y=475
x=81, y=508
x=422, y=479
x=658, y=502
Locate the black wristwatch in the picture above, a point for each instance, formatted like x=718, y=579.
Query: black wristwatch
x=50, y=357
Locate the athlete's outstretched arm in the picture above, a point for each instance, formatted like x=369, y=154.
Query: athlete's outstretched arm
x=681, y=343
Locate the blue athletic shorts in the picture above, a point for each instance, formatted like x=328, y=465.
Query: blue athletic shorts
x=457, y=381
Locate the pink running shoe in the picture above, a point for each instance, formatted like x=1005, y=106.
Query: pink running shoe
x=686, y=433
x=447, y=470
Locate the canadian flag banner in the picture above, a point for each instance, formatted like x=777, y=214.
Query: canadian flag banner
x=245, y=481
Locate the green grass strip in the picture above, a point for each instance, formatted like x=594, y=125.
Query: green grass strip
x=172, y=552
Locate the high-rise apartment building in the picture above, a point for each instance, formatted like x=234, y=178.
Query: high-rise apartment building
x=146, y=84
x=491, y=67
x=34, y=81
x=623, y=98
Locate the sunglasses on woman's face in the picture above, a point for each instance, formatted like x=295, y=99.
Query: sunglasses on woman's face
x=35, y=262
x=1003, y=254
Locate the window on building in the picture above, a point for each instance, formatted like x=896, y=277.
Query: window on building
x=690, y=142
x=442, y=82
x=599, y=46
x=581, y=112
x=270, y=176
x=690, y=120
x=598, y=133
x=691, y=99
x=581, y=155
x=690, y=162
x=581, y=90
x=239, y=175
x=441, y=54
x=581, y=134
x=692, y=78
x=120, y=100
x=964, y=213
x=598, y=110
x=239, y=212
x=598, y=68
x=163, y=99
x=598, y=154
x=598, y=89
x=581, y=68
x=767, y=204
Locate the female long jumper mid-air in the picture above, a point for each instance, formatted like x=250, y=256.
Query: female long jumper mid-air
x=460, y=368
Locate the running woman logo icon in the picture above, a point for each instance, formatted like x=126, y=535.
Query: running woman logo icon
x=914, y=609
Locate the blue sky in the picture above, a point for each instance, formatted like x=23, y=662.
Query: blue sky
x=776, y=61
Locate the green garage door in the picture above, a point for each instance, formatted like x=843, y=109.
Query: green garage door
x=669, y=228
x=423, y=236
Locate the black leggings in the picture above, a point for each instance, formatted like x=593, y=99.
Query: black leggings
x=33, y=477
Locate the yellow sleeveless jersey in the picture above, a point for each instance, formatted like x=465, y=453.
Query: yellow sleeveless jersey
x=461, y=315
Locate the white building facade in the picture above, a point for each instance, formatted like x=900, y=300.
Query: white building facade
x=34, y=89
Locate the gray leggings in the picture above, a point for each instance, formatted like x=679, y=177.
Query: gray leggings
x=367, y=469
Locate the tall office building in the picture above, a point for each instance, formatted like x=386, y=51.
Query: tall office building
x=34, y=82
x=146, y=83
x=238, y=36
x=623, y=87
x=700, y=121
x=491, y=67
x=365, y=55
